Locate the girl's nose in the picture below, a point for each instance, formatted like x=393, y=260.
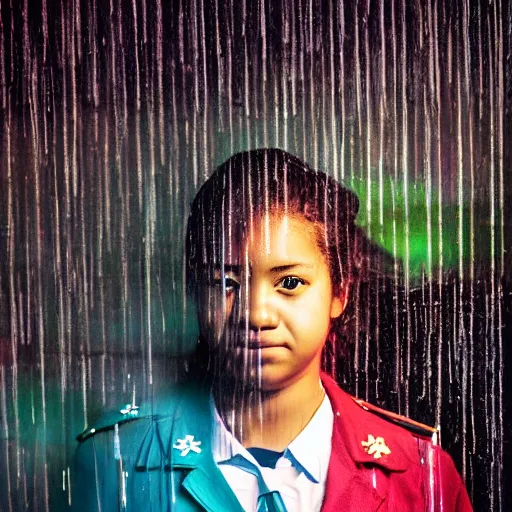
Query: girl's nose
x=262, y=314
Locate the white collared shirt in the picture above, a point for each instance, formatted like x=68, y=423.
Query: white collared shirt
x=300, y=473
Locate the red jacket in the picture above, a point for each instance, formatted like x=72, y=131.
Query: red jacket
x=414, y=476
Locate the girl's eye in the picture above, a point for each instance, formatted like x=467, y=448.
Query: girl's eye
x=230, y=284
x=291, y=283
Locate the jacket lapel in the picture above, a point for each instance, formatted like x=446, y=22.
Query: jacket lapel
x=357, y=480
x=204, y=482
x=178, y=439
x=348, y=488
x=209, y=488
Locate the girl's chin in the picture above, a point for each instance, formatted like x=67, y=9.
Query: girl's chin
x=259, y=376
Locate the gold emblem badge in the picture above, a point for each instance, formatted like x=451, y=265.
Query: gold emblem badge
x=375, y=446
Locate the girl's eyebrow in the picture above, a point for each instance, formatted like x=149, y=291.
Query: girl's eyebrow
x=284, y=268
x=237, y=269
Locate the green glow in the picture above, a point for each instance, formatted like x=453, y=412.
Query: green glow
x=418, y=222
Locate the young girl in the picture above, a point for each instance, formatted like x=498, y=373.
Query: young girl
x=271, y=255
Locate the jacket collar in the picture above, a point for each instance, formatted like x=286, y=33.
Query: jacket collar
x=356, y=426
x=182, y=441
x=351, y=473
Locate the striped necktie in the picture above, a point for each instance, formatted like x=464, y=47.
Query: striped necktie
x=268, y=501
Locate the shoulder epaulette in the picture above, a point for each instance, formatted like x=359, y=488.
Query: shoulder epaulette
x=109, y=420
x=418, y=429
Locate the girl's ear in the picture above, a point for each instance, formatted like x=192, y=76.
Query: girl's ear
x=339, y=302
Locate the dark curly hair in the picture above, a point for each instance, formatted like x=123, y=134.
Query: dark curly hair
x=261, y=181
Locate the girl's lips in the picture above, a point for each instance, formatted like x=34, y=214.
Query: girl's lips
x=260, y=345
x=256, y=341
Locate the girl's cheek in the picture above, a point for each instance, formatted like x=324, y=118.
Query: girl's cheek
x=221, y=312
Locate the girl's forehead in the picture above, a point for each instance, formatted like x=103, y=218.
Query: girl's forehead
x=271, y=237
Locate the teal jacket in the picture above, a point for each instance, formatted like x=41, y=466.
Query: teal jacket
x=132, y=460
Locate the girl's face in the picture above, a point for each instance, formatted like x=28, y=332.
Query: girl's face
x=266, y=314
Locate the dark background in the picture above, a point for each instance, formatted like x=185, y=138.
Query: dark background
x=112, y=113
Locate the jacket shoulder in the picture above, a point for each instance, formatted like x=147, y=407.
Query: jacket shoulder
x=418, y=429
x=109, y=420
x=162, y=405
x=362, y=414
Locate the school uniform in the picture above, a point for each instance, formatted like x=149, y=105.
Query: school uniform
x=163, y=458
